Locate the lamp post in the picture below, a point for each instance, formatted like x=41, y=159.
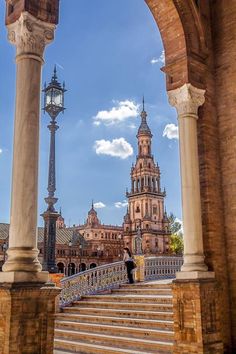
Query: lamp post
x=80, y=255
x=53, y=105
x=4, y=248
x=138, y=242
x=69, y=268
x=119, y=238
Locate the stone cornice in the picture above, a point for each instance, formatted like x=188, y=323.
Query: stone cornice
x=187, y=99
x=30, y=36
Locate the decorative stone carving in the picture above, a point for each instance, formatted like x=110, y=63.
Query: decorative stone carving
x=187, y=99
x=30, y=35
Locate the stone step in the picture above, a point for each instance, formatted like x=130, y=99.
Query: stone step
x=128, y=313
x=134, y=332
x=160, y=299
x=124, y=321
x=148, y=285
x=149, y=306
x=63, y=346
x=143, y=291
x=115, y=341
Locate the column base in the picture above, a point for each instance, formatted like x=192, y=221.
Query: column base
x=24, y=277
x=23, y=259
x=195, y=275
x=27, y=318
x=194, y=263
x=197, y=324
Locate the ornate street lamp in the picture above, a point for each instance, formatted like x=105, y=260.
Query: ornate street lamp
x=70, y=244
x=4, y=248
x=53, y=105
x=120, y=252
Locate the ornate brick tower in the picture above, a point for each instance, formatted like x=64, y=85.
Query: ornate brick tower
x=146, y=199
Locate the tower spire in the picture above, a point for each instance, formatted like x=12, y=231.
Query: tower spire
x=55, y=72
x=144, y=128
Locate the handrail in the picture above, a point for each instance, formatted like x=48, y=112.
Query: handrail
x=161, y=267
x=92, y=281
x=109, y=276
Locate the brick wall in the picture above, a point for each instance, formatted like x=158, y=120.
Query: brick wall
x=224, y=39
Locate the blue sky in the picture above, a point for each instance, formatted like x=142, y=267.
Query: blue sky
x=109, y=53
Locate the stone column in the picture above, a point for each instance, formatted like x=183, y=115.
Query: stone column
x=30, y=37
x=187, y=99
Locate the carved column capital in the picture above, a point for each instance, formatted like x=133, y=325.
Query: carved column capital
x=187, y=99
x=30, y=36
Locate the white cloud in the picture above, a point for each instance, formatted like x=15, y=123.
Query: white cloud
x=121, y=204
x=99, y=205
x=117, y=114
x=0, y=151
x=171, y=131
x=161, y=59
x=132, y=126
x=154, y=61
x=117, y=148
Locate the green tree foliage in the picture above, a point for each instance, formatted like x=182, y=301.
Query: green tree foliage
x=175, y=226
x=176, y=243
x=176, y=240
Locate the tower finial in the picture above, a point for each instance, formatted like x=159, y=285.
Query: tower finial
x=92, y=204
x=143, y=104
x=55, y=73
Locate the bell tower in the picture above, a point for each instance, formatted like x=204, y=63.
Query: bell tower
x=146, y=198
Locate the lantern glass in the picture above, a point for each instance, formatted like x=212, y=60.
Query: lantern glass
x=48, y=97
x=56, y=97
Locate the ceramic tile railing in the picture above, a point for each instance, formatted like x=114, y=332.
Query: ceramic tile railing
x=112, y=275
x=92, y=281
x=161, y=267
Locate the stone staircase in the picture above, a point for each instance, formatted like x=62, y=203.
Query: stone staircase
x=134, y=319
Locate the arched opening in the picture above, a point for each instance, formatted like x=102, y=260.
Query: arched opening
x=60, y=267
x=71, y=269
x=186, y=63
x=93, y=265
x=82, y=267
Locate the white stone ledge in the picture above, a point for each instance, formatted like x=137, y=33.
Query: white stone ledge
x=195, y=275
x=24, y=277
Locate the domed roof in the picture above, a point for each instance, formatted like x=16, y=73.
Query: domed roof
x=144, y=128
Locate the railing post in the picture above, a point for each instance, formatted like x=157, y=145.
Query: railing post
x=140, y=270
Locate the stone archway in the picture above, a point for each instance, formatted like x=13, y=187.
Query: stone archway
x=82, y=267
x=93, y=265
x=186, y=28
x=61, y=267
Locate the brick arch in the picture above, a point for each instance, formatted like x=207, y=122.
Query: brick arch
x=182, y=31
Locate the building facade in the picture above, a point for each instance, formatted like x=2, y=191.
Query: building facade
x=146, y=210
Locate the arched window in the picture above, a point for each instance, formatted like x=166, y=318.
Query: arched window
x=71, y=269
x=60, y=267
x=82, y=267
x=154, y=209
x=93, y=265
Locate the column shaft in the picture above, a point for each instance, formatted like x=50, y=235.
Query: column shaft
x=30, y=37
x=187, y=100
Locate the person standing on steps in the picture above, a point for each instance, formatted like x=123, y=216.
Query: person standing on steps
x=129, y=263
